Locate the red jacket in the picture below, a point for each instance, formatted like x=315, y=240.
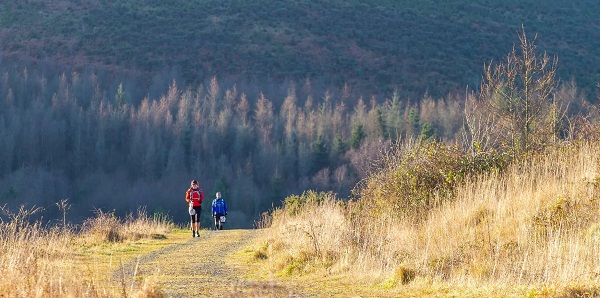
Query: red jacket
x=196, y=195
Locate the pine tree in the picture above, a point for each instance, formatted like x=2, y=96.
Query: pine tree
x=394, y=117
x=427, y=132
x=121, y=99
x=339, y=147
x=320, y=155
x=358, y=135
x=413, y=122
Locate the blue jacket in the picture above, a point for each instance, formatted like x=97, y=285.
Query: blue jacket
x=219, y=206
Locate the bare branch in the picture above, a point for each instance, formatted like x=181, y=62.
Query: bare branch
x=518, y=91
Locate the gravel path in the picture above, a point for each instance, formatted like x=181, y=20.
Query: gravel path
x=202, y=267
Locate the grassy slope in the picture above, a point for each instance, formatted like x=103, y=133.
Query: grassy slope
x=42, y=261
x=532, y=231
x=416, y=45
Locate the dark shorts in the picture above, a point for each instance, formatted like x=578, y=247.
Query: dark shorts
x=218, y=216
x=218, y=222
x=196, y=217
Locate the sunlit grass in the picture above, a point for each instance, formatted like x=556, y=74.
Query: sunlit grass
x=39, y=261
x=529, y=231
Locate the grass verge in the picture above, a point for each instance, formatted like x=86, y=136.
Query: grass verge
x=529, y=231
x=40, y=261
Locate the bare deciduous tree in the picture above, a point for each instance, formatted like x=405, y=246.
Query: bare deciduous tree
x=480, y=132
x=519, y=91
x=63, y=206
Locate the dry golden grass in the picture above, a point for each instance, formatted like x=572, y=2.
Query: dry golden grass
x=37, y=261
x=533, y=230
x=106, y=227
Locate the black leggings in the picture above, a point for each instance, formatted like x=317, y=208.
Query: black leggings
x=196, y=217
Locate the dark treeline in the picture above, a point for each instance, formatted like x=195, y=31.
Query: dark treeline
x=374, y=46
x=66, y=137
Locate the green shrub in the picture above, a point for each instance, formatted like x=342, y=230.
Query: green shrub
x=419, y=175
x=294, y=204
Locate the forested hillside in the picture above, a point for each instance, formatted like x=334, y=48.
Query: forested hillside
x=58, y=142
x=374, y=46
x=119, y=104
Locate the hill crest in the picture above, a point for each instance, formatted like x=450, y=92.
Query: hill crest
x=411, y=46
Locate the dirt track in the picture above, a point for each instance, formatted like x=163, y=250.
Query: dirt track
x=203, y=267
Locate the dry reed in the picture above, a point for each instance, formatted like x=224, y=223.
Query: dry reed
x=40, y=261
x=535, y=225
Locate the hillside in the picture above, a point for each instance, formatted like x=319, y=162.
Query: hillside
x=373, y=46
x=530, y=230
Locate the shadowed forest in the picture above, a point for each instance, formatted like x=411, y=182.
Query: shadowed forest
x=94, y=112
x=62, y=137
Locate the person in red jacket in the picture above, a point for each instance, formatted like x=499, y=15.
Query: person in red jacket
x=194, y=197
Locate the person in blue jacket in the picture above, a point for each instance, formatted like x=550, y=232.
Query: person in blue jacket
x=219, y=211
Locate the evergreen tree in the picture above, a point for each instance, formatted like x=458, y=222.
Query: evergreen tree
x=427, y=132
x=320, y=155
x=121, y=99
x=376, y=124
x=394, y=117
x=413, y=122
x=358, y=135
x=339, y=147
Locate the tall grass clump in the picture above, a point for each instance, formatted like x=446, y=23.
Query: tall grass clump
x=464, y=221
x=106, y=227
x=37, y=260
x=22, y=245
x=535, y=224
x=311, y=224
